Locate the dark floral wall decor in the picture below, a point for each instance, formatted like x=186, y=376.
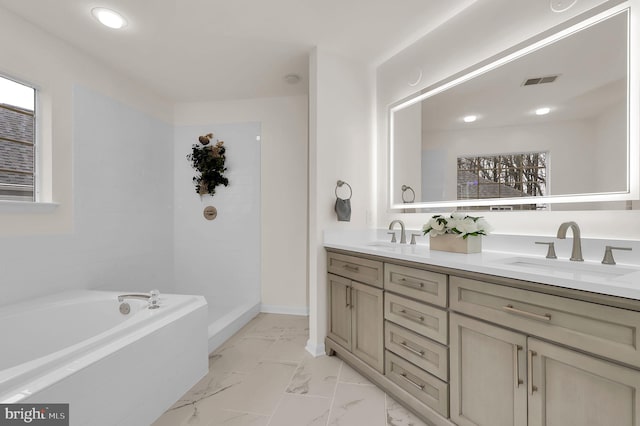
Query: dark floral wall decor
x=208, y=159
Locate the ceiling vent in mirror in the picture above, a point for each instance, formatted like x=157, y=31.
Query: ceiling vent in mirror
x=540, y=80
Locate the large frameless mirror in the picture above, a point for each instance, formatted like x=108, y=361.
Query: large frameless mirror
x=545, y=124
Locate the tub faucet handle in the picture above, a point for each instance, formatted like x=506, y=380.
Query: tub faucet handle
x=154, y=298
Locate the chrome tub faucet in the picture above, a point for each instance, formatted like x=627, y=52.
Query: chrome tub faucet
x=151, y=298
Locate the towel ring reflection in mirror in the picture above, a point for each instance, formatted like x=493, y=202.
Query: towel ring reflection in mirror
x=339, y=184
x=406, y=188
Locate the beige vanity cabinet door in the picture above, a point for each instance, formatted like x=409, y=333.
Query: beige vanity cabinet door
x=571, y=388
x=488, y=374
x=339, y=327
x=367, y=325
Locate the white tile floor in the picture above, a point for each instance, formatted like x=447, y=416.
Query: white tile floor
x=263, y=376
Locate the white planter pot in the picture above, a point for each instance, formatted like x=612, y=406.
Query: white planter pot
x=455, y=244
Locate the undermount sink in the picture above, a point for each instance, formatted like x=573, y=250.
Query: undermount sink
x=384, y=244
x=564, y=268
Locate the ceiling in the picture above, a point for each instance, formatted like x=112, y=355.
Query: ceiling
x=204, y=50
x=591, y=66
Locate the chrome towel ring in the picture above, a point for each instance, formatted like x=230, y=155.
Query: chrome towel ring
x=406, y=188
x=339, y=184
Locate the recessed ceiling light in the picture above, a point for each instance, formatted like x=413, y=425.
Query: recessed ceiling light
x=109, y=18
x=470, y=118
x=543, y=111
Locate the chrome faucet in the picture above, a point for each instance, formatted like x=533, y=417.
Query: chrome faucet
x=152, y=298
x=576, y=251
x=403, y=235
x=122, y=297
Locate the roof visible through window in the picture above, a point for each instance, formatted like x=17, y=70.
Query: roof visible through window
x=17, y=141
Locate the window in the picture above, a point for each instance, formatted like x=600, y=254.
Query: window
x=503, y=176
x=17, y=141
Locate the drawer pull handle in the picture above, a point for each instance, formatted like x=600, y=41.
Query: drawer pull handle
x=418, y=385
x=516, y=364
x=512, y=310
x=407, y=314
x=410, y=349
x=351, y=268
x=532, y=388
x=419, y=284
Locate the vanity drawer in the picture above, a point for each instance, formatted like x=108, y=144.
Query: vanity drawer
x=427, y=388
x=427, y=286
x=424, y=319
x=426, y=354
x=362, y=270
x=602, y=330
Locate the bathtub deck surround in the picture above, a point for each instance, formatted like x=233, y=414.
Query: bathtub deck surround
x=78, y=348
x=264, y=376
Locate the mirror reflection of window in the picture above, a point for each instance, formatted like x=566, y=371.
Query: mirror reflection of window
x=503, y=176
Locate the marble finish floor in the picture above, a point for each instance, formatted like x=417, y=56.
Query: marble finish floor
x=262, y=376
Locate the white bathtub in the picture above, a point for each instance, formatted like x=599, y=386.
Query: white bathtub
x=113, y=369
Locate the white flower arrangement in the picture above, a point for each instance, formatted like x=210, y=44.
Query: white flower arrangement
x=456, y=223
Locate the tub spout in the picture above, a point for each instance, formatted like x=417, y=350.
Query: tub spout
x=122, y=297
x=152, y=298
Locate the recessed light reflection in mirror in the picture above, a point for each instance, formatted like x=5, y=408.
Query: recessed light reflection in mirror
x=543, y=111
x=469, y=118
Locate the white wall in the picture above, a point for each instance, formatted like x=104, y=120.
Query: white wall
x=54, y=67
x=610, y=133
x=122, y=210
x=341, y=147
x=219, y=259
x=408, y=152
x=109, y=173
x=481, y=31
x=283, y=182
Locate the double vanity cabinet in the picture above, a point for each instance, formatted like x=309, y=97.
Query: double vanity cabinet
x=464, y=348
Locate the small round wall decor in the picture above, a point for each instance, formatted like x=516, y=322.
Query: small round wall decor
x=210, y=213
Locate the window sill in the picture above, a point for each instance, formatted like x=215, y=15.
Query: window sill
x=26, y=207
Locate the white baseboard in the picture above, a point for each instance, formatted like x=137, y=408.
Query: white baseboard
x=287, y=310
x=230, y=324
x=315, y=349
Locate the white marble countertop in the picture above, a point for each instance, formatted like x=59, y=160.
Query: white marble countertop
x=515, y=261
